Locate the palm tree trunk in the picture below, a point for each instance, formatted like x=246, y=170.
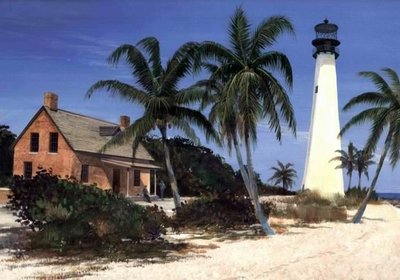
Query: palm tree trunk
x=350, y=175
x=361, y=210
x=260, y=214
x=170, y=170
x=241, y=165
x=359, y=179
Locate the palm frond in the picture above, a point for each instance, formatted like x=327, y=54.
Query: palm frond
x=276, y=61
x=184, y=126
x=152, y=46
x=372, y=98
x=360, y=118
x=378, y=81
x=394, y=78
x=197, y=118
x=271, y=84
x=267, y=32
x=138, y=63
x=117, y=88
x=379, y=123
x=179, y=65
x=134, y=132
x=193, y=94
x=215, y=51
x=239, y=33
x=395, y=143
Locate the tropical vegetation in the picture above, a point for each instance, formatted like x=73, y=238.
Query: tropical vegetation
x=7, y=138
x=156, y=90
x=246, y=90
x=384, y=115
x=64, y=214
x=363, y=161
x=285, y=174
x=198, y=170
x=354, y=160
x=347, y=160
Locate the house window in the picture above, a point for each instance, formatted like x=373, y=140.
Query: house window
x=34, y=142
x=136, y=177
x=27, y=169
x=53, y=143
x=85, y=173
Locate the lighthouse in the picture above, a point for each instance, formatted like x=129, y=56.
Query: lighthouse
x=320, y=173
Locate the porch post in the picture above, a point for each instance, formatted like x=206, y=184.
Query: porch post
x=127, y=182
x=155, y=181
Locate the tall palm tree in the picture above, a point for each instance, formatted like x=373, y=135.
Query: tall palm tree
x=156, y=89
x=384, y=114
x=285, y=174
x=347, y=160
x=362, y=162
x=248, y=91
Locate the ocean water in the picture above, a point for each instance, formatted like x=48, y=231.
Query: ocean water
x=389, y=195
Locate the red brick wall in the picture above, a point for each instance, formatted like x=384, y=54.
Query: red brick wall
x=99, y=174
x=63, y=163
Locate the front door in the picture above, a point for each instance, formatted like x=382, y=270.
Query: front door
x=116, y=180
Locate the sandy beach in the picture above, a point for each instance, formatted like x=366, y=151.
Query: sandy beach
x=317, y=251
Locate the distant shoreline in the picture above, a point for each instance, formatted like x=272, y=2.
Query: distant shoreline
x=389, y=196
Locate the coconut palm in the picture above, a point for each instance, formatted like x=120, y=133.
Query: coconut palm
x=156, y=90
x=347, y=160
x=362, y=162
x=247, y=90
x=285, y=174
x=384, y=115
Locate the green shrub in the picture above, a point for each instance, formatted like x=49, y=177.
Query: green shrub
x=360, y=193
x=220, y=213
x=64, y=213
x=270, y=190
x=6, y=181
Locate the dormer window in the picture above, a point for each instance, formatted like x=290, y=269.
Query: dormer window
x=53, y=142
x=34, y=142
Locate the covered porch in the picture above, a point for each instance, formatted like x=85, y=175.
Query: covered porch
x=130, y=178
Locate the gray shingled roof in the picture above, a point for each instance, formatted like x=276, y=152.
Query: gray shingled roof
x=82, y=133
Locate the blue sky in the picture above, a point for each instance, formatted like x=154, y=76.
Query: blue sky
x=62, y=46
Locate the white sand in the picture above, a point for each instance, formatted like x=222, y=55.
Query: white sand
x=370, y=250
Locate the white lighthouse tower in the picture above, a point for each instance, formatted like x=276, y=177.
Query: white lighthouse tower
x=320, y=172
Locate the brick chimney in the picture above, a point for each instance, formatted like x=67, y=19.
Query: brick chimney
x=51, y=101
x=124, y=122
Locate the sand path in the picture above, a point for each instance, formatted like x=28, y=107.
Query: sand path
x=370, y=250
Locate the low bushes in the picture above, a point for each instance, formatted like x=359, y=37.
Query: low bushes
x=270, y=190
x=63, y=213
x=360, y=193
x=311, y=207
x=217, y=212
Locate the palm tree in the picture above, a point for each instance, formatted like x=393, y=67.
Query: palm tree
x=247, y=90
x=363, y=160
x=384, y=116
x=156, y=90
x=347, y=160
x=285, y=174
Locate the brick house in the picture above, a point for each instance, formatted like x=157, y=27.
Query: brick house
x=69, y=144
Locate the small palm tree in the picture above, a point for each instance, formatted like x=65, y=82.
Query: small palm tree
x=156, y=90
x=384, y=116
x=362, y=162
x=247, y=91
x=285, y=174
x=347, y=160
